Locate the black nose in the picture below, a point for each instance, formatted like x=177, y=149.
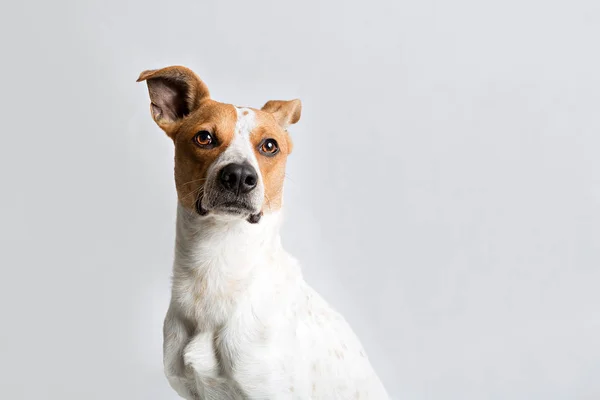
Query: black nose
x=238, y=178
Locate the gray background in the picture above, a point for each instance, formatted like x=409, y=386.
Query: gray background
x=444, y=191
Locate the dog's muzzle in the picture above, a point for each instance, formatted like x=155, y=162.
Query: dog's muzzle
x=233, y=192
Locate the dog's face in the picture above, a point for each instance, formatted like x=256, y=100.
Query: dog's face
x=229, y=160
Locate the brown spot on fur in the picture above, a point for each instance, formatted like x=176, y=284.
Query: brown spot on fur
x=201, y=285
x=210, y=382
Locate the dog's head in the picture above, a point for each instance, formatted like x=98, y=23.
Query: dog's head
x=229, y=160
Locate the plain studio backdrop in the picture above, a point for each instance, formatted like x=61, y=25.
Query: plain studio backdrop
x=443, y=193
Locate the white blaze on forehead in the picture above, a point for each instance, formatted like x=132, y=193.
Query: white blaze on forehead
x=240, y=149
x=246, y=121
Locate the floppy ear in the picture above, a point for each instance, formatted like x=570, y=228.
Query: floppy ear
x=285, y=113
x=175, y=92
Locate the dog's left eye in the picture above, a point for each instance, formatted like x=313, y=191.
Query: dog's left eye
x=269, y=147
x=204, y=139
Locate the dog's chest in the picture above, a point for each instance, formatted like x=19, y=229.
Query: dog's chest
x=241, y=333
x=208, y=297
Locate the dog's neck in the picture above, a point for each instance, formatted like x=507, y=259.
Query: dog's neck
x=233, y=245
x=216, y=260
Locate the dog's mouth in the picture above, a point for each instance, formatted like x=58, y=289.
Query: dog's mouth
x=235, y=208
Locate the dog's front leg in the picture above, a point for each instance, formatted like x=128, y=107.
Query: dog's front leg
x=175, y=337
x=200, y=357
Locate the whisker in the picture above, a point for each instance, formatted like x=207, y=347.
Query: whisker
x=197, y=191
x=195, y=180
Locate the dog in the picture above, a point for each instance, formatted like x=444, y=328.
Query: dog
x=242, y=322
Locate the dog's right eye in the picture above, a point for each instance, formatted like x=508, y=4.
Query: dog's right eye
x=204, y=139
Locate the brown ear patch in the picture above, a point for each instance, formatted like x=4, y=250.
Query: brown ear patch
x=175, y=92
x=285, y=113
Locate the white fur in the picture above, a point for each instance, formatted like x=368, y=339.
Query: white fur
x=243, y=323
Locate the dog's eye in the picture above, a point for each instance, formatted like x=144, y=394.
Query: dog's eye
x=204, y=139
x=269, y=147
